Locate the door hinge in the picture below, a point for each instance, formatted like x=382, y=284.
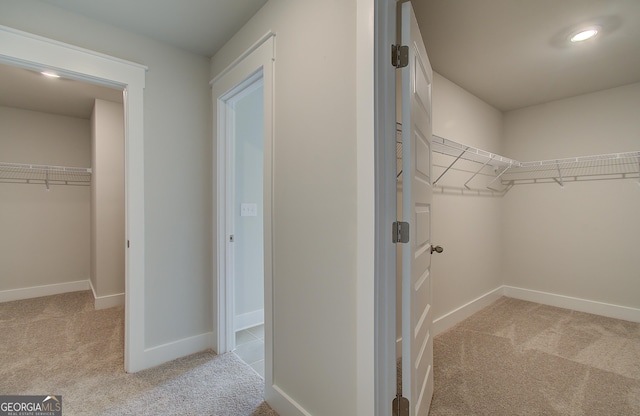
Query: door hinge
x=399, y=56
x=400, y=233
x=400, y=406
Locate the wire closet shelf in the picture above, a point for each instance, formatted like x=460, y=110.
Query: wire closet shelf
x=597, y=167
x=44, y=174
x=509, y=172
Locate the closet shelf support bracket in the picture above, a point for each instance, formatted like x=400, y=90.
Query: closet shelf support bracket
x=560, y=179
x=451, y=165
x=478, y=171
x=498, y=177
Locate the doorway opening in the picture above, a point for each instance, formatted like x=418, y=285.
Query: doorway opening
x=245, y=222
x=35, y=53
x=243, y=133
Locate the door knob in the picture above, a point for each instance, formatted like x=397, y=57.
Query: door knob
x=437, y=249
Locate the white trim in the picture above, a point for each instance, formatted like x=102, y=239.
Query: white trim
x=366, y=220
x=227, y=114
x=285, y=403
x=177, y=349
x=452, y=318
x=105, y=302
x=248, y=320
x=582, y=305
x=44, y=290
x=31, y=51
x=72, y=48
x=385, y=207
x=244, y=55
x=109, y=301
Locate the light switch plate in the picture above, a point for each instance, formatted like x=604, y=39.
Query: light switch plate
x=248, y=209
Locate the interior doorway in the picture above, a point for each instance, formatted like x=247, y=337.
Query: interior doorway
x=245, y=223
x=35, y=53
x=62, y=196
x=243, y=134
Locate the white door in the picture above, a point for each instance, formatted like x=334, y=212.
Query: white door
x=417, y=317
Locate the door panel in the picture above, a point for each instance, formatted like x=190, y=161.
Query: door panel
x=417, y=316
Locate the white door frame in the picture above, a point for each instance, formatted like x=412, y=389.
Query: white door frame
x=385, y=203
x=37, y=53
x=257, y=61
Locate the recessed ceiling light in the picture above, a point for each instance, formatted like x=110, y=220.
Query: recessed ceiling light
x=584, y=34
x=50, y=74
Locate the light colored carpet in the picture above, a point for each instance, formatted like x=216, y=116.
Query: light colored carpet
x=522, y=358
x=61, y=345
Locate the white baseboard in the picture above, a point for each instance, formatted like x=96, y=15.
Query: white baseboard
x=447, y=321
x=177, y=349
x=576, y=304
x=450, y=319
x=45, y=290
x=108, y=301
x=282, y=403
x=248, y=320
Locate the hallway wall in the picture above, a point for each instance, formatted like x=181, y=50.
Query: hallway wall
x=314, y=201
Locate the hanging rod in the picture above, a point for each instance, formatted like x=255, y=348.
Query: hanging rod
x=44, y=174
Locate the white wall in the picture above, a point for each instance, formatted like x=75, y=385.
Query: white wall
x=177, y=149
x=581, y=240
x=314, y=224
x=248, y=230
x=466, y=225
x=44, y=235
x=107, y=199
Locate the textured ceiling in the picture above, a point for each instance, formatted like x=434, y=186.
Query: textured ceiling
x=516, y=53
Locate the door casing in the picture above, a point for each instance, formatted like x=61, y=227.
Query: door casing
x=385, y=206
x=37, y=53
x=255, y=63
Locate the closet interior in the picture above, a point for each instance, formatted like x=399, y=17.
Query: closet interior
x=61, y=188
